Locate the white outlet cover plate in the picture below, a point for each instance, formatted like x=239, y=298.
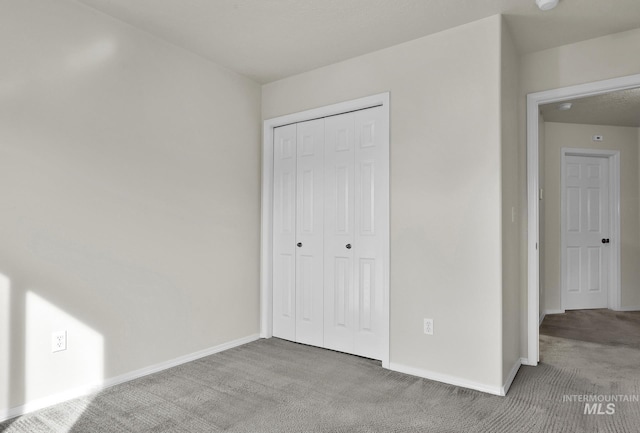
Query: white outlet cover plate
x=428, y=326
x=58, y=341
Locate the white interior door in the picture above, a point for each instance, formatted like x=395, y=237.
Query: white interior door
x=284, y=232
x=339, y=233
x=310, y=233
x=586, y=226
x=355, y=216
x=371, y=218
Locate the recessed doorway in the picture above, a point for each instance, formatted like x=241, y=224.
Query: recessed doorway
x=540, y=293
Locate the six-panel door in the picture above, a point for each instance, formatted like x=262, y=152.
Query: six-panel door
x=339, y=233
x=310, y=232
x=586, y=213
x=284, y=232
x=371, y=170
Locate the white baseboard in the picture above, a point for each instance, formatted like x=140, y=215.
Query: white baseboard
x=511, y=376
x=554, y=312
x=445, y=378
x=106, y=383
x=627, y=309
x=545, y=312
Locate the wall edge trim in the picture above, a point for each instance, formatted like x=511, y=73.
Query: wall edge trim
x=512, y=376
x=445, y=378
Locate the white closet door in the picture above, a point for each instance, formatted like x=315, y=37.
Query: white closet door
x=284, y=232
x=330, y=232
x=310, y=229
x=370, y=242
x=339, y=313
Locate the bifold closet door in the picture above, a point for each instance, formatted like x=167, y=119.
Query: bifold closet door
x=355, y=210
x=339, y=312
x=284, y=232
x=330, y=202
x=298, y=228
x=369, y=244
x=310, y=233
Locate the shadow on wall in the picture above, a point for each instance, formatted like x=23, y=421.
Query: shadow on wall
x=85, y=291
x=30, y=371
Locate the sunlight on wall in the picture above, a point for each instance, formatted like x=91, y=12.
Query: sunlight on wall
x=80, y=60
x=92, y=55
x=4, y=342
x=54, y=375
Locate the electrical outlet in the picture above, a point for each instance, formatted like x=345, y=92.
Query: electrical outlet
x=58, y=341
x=598, y=138
x=428, y=326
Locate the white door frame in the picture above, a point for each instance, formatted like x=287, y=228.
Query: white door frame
x=266, y=259
x=613, y=159
x=534, y=100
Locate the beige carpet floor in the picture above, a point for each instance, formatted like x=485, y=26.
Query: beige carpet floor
x=278, y=386
x=608, y=327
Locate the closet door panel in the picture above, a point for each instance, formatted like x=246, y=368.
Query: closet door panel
x=371, y=213
x=284, y=232
x=339, y=232
x=310, y=232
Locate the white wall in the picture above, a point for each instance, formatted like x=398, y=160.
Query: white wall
x=446, y=249
x=582, y=62
x=624, y=140
x=510, y=203
x=129, y=199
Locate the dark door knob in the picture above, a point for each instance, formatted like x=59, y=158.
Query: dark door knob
x=299, y=244
x=348, y=246
x=605, y=241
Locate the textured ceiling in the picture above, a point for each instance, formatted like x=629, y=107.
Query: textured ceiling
x=272, y=39
x=620, y=108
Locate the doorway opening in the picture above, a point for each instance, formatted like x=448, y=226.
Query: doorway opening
x=537, y=199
